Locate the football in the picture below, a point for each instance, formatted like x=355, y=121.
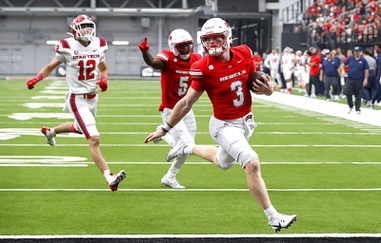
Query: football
x=253, y=77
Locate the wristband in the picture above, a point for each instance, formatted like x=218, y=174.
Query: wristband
x=39, y=76
x=166, y=127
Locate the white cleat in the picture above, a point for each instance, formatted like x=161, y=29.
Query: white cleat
x=282, y=221
x=171, y=183
x=177, y=151
x=49, y=134
x=118, y=179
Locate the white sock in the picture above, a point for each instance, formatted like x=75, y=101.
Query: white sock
x=270, y=212
x=109, y=178
x=52, y=130
x=189, y=149
x=171, y=174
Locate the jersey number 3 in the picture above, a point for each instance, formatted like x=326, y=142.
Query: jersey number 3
x=86, y=72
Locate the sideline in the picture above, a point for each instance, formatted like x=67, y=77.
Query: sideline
x=368, y=116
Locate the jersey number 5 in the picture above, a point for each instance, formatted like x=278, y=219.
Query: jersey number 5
x=86, y=72
x=183, y=85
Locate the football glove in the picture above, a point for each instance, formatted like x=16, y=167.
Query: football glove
x=144, y=46
x=31, y=83
x=103, y=84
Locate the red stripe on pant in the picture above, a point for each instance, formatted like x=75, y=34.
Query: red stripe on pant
x=77, y=116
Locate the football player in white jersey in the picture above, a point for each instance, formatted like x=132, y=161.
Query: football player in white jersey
x=272, y=63
x=288, y=67
x=84, y=57
x=174, y=65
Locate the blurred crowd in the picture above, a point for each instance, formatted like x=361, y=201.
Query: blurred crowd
x=322, y=72
x=342, y=21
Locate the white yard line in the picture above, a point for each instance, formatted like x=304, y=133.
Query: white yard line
x=187, y=190
x=192, y=236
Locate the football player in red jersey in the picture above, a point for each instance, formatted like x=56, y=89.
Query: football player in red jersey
x=174, y=65
x=84, y=56
x=223, y=74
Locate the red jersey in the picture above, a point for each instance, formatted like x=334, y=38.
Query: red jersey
x=315, y=69
x=225, y=82
x=257, y=62
x=175, y=79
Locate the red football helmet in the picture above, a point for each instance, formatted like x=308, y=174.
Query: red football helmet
x=83, y=28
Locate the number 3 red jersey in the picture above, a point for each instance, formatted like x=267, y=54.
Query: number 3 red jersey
x=175, y=79
x=225, y=82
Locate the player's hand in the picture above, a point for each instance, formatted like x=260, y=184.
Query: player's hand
x=103, y=84
x=31, y=83
x=263, y=87
x=157, y=134
x=144, y=46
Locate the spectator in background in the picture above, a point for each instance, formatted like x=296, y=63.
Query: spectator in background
x=300, y=69
x=314, y=64
x=258, y=61
x=377, y=93
x=307, y=56
x=370, y=89
x=174, y=65
x=272, y=64
x=330, y=75
x=358, y=71
x=287, y=64
x=344, y=79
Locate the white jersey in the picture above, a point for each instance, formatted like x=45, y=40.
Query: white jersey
x=288, y=62
x=81, y=63
x=272, y=61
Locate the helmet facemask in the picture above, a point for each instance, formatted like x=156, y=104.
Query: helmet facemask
x=184, y=49
x=180, y=43
x=214, y=44
x=216, y=36
x=83, y=28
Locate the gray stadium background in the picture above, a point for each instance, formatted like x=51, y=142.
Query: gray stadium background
x=26, y=25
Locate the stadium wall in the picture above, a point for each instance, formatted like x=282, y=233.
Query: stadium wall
x=23, y=48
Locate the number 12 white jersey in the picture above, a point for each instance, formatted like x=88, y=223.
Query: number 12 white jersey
x=81, y=63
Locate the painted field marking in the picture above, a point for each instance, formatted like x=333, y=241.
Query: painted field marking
x=187, y=190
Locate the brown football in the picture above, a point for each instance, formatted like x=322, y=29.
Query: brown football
x=253, y=77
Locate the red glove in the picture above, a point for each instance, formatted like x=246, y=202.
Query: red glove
x=103, y=84
x=144, y=46
x=31, y=83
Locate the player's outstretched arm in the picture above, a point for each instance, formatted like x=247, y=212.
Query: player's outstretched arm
x=181, y=108
x=45, y=71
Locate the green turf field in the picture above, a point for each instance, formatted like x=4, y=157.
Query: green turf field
x=324, y=169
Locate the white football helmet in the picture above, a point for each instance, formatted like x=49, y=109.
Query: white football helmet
x=83, y=28
x=213, y=28
x=180, y=43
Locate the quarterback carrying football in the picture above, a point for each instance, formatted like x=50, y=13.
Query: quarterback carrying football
x=223, y=74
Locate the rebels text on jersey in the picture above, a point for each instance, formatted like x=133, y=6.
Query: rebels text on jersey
x=175, y=79
x=81, y=63
x=225, y=82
